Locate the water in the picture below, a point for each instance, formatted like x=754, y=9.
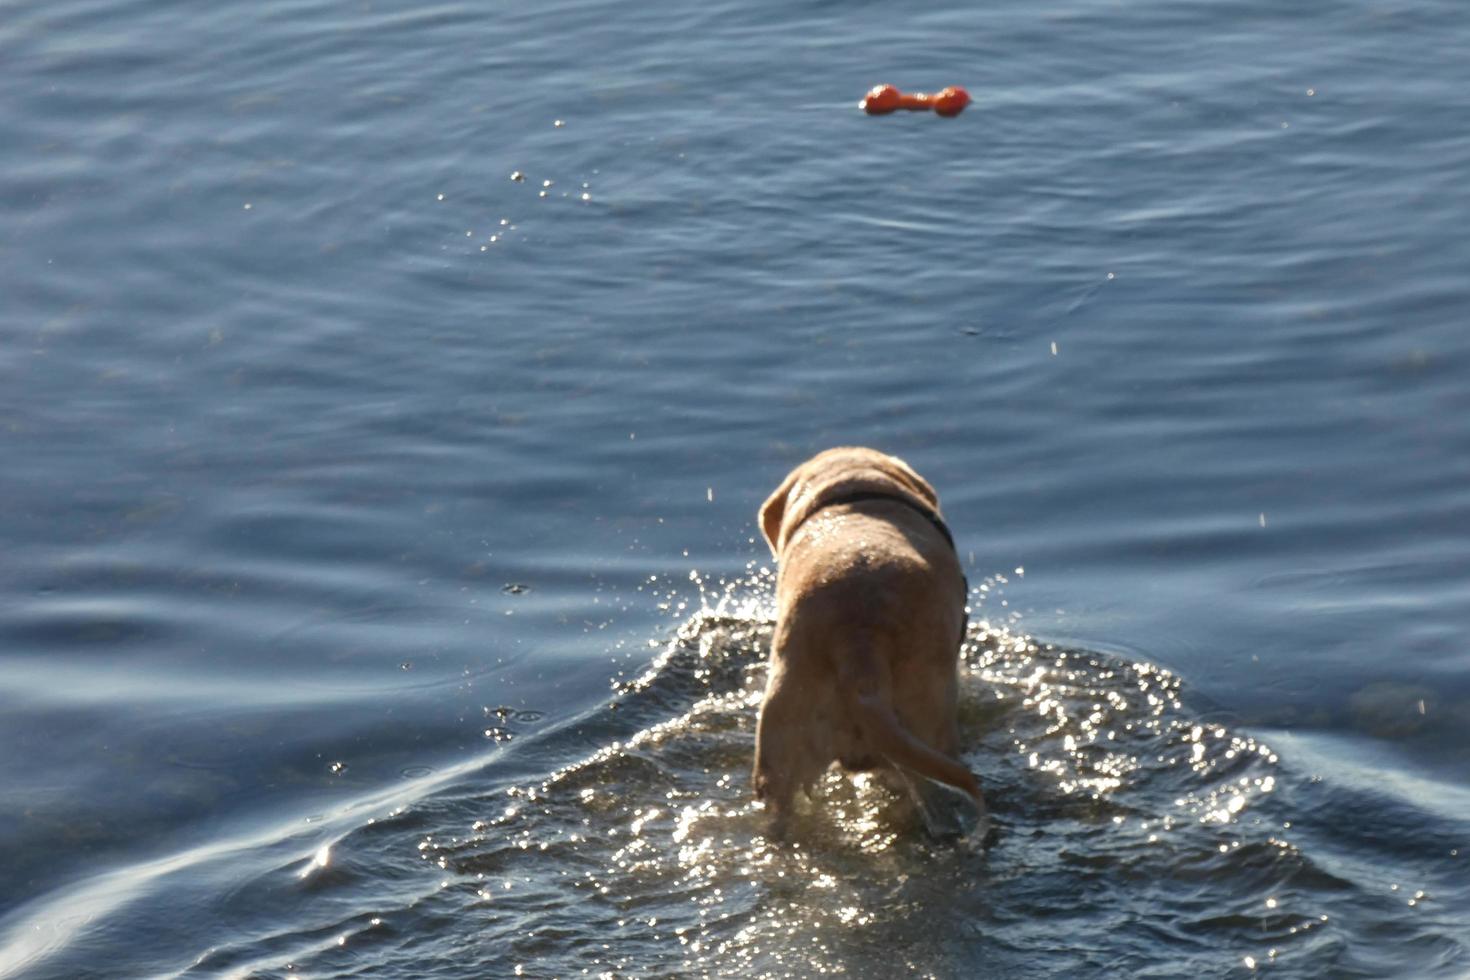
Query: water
x=353, y=488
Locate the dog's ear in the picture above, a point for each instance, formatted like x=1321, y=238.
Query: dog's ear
x=773, y=510
x=915, y=482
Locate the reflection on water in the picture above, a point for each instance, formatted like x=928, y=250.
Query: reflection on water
x=1132, y=831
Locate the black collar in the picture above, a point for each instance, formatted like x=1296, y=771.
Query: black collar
x=860, y=496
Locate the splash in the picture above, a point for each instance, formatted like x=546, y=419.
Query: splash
x=1135, y=833
x=647, y=848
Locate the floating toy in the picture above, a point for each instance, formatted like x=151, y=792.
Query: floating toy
x=883, y=99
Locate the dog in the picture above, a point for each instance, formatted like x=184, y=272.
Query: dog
x=870, y=615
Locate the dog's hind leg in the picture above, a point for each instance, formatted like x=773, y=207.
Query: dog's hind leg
x=865, y=685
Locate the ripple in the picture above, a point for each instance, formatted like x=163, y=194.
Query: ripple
x=1098, y=775
x=1130, y=829
x=1114, y=802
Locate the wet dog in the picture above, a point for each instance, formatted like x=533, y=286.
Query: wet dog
x=870, y=615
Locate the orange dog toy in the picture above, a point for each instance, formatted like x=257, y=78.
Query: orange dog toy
x=883, y=99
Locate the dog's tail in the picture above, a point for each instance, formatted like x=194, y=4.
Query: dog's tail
x=864, y=691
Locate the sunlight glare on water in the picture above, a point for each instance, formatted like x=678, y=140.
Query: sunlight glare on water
x=1096, y=769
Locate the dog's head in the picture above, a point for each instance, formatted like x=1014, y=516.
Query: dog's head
x=837, y=473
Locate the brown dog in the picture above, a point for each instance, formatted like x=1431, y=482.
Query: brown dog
x=870, y=614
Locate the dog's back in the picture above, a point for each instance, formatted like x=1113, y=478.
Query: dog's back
x=870, y=617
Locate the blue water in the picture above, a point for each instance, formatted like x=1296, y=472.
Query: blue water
x=387, y=393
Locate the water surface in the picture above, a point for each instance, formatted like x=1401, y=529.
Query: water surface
x=374, y=379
